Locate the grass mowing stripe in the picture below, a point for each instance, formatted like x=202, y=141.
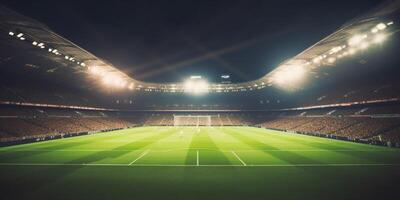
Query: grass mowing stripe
x=274, y=165
x=288, y=157
x=137, y=144
x=204, y=165
x=204, y=139
x=210, y=149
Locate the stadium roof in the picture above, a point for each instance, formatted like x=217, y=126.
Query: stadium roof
x=352, y=36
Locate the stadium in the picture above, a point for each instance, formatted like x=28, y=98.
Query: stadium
x=200, y=100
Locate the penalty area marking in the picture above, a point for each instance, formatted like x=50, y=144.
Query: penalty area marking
x=243, y=163
x=141, y=156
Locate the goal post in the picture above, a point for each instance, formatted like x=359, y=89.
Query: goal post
x=192, y=120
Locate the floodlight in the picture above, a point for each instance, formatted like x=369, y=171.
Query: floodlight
x=196, y=87
x=316, y=60
x=34, y=43
x=331, y=60
x=336, y=49
x=195, y=77
x=290, y=75
x=381, y=26
x=11, y=33
x=225, y=76
x=113, y=80
x=356, y=40
x=20, y=35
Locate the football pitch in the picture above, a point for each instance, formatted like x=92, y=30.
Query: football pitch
x=198, y=163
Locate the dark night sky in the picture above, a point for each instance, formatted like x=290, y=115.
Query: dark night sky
x=169, y=40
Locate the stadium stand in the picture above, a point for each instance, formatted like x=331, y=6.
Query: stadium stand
x=377, y=123
x=26, y=123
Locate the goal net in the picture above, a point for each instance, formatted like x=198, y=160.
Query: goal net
x=192, y=120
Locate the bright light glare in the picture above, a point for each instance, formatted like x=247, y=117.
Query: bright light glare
x=364, y=45
x=336, y=49
x=96, y=70
x=290, y=75
x=195, y=77
x=356, y=40
x=225, y=76
x=379, y=38
x=331, y=60
x=113, y=80
x=316, y=60
x=196, y=86
x=131, y=86
x=352, y=51
x=381, y=26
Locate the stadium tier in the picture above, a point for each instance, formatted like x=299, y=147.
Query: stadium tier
x=366, y=123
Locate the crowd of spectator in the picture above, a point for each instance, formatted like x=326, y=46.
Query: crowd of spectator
x=375, y=122
x=379, y=123
x=18, y=123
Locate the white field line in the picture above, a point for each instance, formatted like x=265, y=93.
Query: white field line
x=174, y=165
x=210, y=149
x=62, y=164
x=141, y=156
x=244, y=164
x=198, y=159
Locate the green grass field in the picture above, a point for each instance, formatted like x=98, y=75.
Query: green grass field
x=198, y=163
